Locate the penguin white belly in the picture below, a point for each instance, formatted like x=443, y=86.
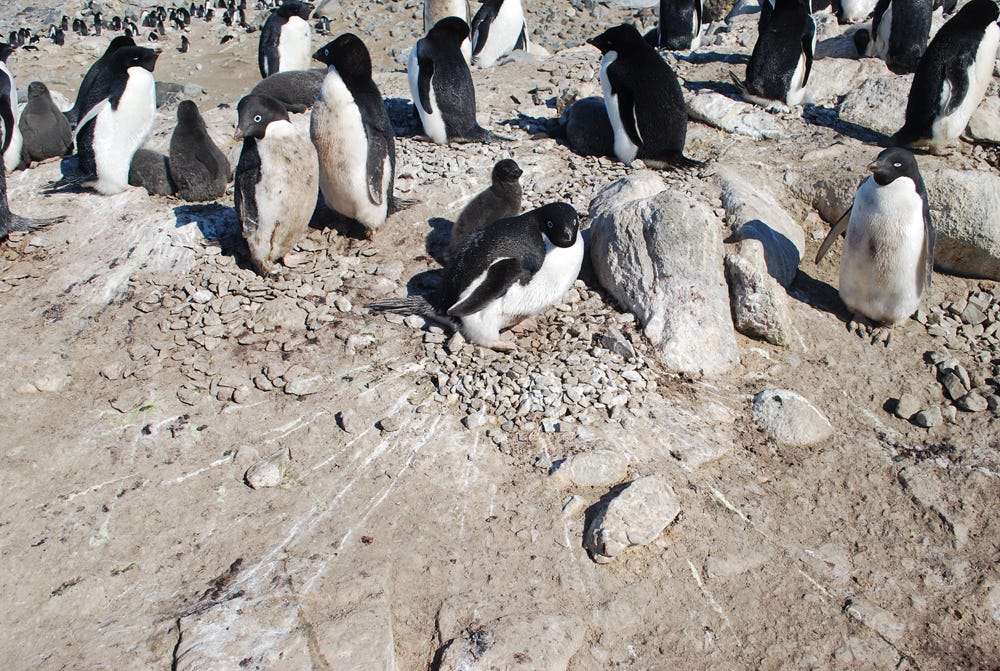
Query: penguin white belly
x=433, y=122
x=342, y=146
x=503, y=34
x=879, y=270
x=857, y=10
x=12, y=157
x=879, y=46
x=294, y=45
x=797, y=92
x=695, y=31
x=947, y=129
x=625, y=150
x=118, y=133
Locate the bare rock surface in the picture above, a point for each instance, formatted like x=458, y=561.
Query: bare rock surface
x=789, y=418
x=634, y=516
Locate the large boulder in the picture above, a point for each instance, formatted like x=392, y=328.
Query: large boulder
x=878, y=104
x=733, y=116
x=965, y=209
x=760, y=304
x=659, y=253
x=984, y=126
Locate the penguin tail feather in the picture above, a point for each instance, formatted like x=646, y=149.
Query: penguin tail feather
x=413, y=305
x=480, y=134
x=740, y=85
x=64, y=185
x=676, y=162
x=22, y=224
x=397, y=204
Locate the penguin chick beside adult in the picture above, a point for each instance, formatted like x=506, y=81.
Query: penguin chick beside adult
x=353, y=136
x=13, y=142
x=643, y=99
x=277, y=181
x=498, y=28
x=952, y=78
x=286, y=39
x=889, y=254
x=441, y=85
x=679, y=24
x=46, y=133
x=435, y=10
x=198, y=167
x=501, y=200
x=779, y=67
x=512, y=269
x=899, y=33
x=151, y=170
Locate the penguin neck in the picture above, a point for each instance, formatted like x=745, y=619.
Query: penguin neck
x=507, y=189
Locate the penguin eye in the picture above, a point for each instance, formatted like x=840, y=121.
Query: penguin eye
x=257, y=119
x=897, y=165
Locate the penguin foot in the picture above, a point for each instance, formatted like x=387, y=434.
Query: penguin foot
x=864, y=328
x=881, y=335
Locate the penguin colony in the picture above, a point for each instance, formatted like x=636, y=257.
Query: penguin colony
x=502, y=265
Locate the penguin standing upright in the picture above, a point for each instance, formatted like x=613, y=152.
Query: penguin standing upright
x=643, y=99
x=13, y=142
x=952, y=78
x=899, y=33
x=512, y=269
x=198, y=167
x=889, y=255
x=501, y=200
x=286, y=39
x=44, y=128
x=97, y=82
x=353, y=136
x=679, y=25
x=498, y=28
x=441, y=85
x=779, y=67
x=277, y=181
x=111, y=131
x=435, y=10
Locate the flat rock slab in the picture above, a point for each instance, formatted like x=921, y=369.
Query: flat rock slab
x=599, y=468
x=733, y=116
x=636, y=516
x=541, y=643
x=789, y=418
x=965, y=209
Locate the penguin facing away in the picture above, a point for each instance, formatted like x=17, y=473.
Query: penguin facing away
x=779, y=67
x=952, y=78
x=198, y=167
x=435, y=10
x=13, y=142
x=889, y=253
x=297, y=90
x=441, y=85
x=679, y=25
x=643, y=99
x=277, y=181
x=353, y=136
x=498, y=29
x=44, y=128
x=501, y=200
x=286, y=39
x=899, y=33
x=512, y=269
x=97, y=82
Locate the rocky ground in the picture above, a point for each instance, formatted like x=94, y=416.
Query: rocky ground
x=206, y=469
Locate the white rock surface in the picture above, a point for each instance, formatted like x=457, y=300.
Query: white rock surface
x=984, y=126
x=760, y=304
x=635, y=516
x=264, y=474
x=733, y=116
x=600, y=468
x=965, y=206
x=878, y=103
x=540, y=643
x=789, y=418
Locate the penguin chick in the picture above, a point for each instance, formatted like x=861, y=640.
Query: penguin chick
x=501, y=200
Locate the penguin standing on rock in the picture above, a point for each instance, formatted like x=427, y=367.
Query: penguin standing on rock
x=643, y=99
x=500, y=201
x=679, y=25
x=512, y=269
x=13, y=141
x=498, y=28
x=286, y=39
x=899, y=34
x=44, y=128
x=198, y=167
x=435, y=10
x=353, y=136
x=277, y=181
x=97, y=82
x=889, y=255
x=952, y=78
x=441, y=85
x=779, y=67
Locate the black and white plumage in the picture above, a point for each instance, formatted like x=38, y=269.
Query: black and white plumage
x=889, y=253
x=781, y=62
x=435, y=10
x=277, y=181
x=297, y=90
x=679, y=26
x=643, y=99
x=853, y=11
x=46, y=133
x=502, y=199
x=498, y=28
x=509, y=270
x=899, y=33
x=286, y=39
x=952, y=78
x=151, y=170
x=353, y=136
x=13, y=142
x=198, y=168
x=96, y=83
x=441, y=85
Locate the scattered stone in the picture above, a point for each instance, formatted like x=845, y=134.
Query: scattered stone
x=541, y=642
x=928, y=418
x=128, y=400
x=972, y=402
x=907, y=406
x=391, y=424
x=475, y=420
x=789, y=418
x=264, y=474
x=283, y=313
x=305, y=386
x=343, y=304
x=635, y=516
x=599, y=468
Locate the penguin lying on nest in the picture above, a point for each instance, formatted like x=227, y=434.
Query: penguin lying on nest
x=512, y=269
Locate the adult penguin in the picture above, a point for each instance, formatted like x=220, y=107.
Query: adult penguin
x=889, y=254
x=353, y=136
x=286, y=39
x=97, y=82
x=435, y=10
x=899, y=33
x=779, y=67
x=498, y=28
x=44, y=128
x=111, y=131
x=198, y=167
x=277, y=181
x=643, y=99
x=952, y=78
x=441, y=85
x=501, y=200
x=512, y=269
x=13, y=142
x=679, y=26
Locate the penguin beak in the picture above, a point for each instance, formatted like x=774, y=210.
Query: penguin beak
x=873, y=167
x=238, y=134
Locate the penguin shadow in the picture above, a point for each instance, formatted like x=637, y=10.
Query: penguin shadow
x=818, y=295
x=534, y=125
x=218, y=224
x=436, y=243
x=705, y=57
x=723, y=88
x=829, y=117
x=325, y=217
x=404, y=117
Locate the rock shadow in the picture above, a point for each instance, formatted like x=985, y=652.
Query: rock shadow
x=819, y=295
x=404, y=117
x=828, y=117
x=595, y=509
x=727, y=89
x=534, y=125
x=771, y=239
x=217, y=223
x=705, y=57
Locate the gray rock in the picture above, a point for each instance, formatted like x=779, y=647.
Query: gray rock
x=615, y=341
x=659, y=253
x=391, y=424
x=954, y=388
x=264, y=474
x=907, y=406
x=965, y=206
x=599, y=468
x=733, y=116
x=539, y=643
x=588, y=129
x=635, y=516
x=305, y=386
x=475, y=420
x=348, y=421
x=789, y=418
x=928, y=418
x=984, y=126
x=972, y=402
x=878, y=103
x=282, y=313
x=759, y=303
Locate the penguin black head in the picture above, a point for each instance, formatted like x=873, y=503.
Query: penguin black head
x=295, y=8
x=119, y=43
x=134, y=57
x=621, y=39
x=558, y=222
x=188, y=115
x=5, y=51
x=37, y=90
x=894, y=163
x=507, y=170
x=255, y=113
x=450, y=29
x=349, y=55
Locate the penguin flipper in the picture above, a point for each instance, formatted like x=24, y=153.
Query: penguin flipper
x=425, y=65
x=502, y=274
x=957, y=78
x=626, y=103
x=7, y=117
x=481, y=26
x=838, y=230
x=927, y=254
